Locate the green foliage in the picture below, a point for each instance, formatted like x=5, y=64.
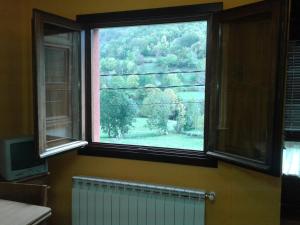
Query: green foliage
x=170, y=80
x=172, y=100
x=187, y=40
x=162, y=47
x=151, y=49
x=117, y=112
x=157, y=110
x=133, y=81
x=159, y=106
x=174, y=46
x=168, y=61
x=180, y=119
x=194, y=117
x=178, y=109
x=147, y=80
x=131, y=67
x=108, y=64
x=171, y=60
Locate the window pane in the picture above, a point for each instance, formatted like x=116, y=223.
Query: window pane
x=61, y=77
x=152, y=85
x=291, y=159
x=246, y=88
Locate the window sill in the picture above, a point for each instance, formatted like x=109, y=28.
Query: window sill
x=185, y=157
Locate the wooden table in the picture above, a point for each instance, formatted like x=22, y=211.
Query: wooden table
x=16, y=213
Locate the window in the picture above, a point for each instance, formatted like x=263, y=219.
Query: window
x=153, y=71
x=291, y=152
x=58, y=84
x=152, y=85
x=187, y=84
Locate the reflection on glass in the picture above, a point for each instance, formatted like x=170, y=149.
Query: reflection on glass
x=61, y=77
x=246, y=89
x=291, y=159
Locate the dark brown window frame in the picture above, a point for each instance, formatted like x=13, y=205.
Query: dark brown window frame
x=279, y=10
x=294, y=34
x=144, y=17
x=39, y=20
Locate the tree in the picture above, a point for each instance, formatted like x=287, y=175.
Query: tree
x=187, y=39
x=133, y=81
x=180, y=119
x=117, y=112
x=178, y=109
x=108, y=64
x=172, y=101
x=194, y=118
x=170, y=80
x=157, y=108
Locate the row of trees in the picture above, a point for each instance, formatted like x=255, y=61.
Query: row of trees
x=119, y=111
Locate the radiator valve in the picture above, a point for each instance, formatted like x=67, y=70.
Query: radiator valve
x=211, y=196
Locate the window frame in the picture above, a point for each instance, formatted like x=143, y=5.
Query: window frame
x=143, y=17
x=40, y=19
x=294, y=35
x=279, y=10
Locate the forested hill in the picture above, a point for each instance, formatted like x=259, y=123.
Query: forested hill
x=155, y=48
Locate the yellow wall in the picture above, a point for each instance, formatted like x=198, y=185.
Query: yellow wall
x=12, y=91
x=244, y=197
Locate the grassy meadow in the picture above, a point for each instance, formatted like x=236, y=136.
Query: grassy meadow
x=140, y=134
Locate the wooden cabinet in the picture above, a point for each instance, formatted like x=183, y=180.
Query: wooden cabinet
x=35, y=194
x=32, y=190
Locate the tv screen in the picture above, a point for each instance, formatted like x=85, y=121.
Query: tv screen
x=24, y=155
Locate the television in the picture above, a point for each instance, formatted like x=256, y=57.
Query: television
x=19, y=159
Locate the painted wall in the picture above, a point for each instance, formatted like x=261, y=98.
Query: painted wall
x=12, y=72
x=244, y=197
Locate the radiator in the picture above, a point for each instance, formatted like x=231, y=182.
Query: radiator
x=108, y=202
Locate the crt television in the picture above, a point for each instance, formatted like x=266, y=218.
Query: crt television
x=19, y=159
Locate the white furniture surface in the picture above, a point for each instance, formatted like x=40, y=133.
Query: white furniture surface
x=16, y=213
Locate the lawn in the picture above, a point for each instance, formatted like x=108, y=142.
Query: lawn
x=140, y=134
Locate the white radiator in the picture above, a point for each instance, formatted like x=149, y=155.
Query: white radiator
x=108, y=202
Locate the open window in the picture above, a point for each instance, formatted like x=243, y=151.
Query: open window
x=291, y=152
x=247, y=85
x=233, y=62
x=59, y=89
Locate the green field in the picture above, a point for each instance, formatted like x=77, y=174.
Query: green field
x=140, y=134
x=191, y=95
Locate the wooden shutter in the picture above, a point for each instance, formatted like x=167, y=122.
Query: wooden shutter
x=247, y=86
x=58, y=79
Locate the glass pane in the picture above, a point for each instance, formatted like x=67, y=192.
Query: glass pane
x=62, y=76
x=291, y=159
x=152, y=85
x=246, y=88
